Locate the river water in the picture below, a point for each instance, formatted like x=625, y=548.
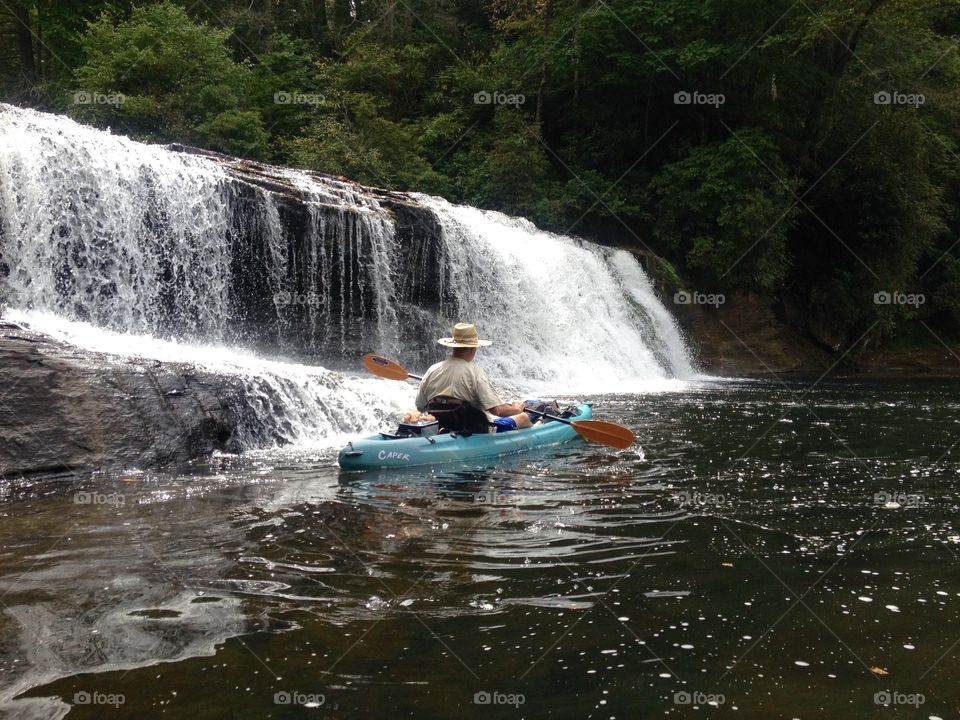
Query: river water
x=775, y=550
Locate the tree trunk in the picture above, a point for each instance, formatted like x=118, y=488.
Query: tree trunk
x=578, y=49
x=318, y=18
x=41, y=53
x=541, y=87
x=341, y=14
x=21, y=26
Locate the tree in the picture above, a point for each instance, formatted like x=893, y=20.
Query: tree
x=170, y=78
x=42, y=47
x=725, y=210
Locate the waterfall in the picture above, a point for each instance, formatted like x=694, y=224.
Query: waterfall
x=136, y=238
x=100, y=228
x=564, y=313
x=104, y=240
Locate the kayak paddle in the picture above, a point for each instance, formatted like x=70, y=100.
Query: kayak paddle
x=600, y=431
x=379, y=365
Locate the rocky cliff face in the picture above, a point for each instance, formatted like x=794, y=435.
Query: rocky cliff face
x=755, y=336
x=327, y=258
x=746, y=337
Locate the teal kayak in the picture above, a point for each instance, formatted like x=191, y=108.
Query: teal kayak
x=384, y=451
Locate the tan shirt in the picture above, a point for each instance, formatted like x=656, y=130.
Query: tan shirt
x=460, y=379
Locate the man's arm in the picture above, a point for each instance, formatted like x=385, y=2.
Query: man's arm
x=506, y=409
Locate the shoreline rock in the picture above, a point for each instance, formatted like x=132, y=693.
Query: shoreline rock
x=750, y=336
x=65, y=411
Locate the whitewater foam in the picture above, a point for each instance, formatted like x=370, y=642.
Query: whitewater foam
x=306, y=406
x=565, y=315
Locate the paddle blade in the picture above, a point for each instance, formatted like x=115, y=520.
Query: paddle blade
x=385, y=368
x=607, y=433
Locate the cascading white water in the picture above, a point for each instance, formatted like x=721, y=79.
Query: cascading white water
x=289, y=403
x=567, y=316
x=90, y=222
x=366, y=231
x=102, y=237
x=137, y=238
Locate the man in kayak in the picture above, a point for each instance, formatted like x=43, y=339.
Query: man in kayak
x=460, y=395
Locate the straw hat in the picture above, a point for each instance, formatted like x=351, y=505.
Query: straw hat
x=464, y=336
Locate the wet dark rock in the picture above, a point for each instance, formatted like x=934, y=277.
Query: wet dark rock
x=745, y=336
x=346, y=311
x=67, y=411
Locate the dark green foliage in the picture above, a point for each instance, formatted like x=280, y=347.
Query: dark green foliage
x=725, y=209
x=176, y=80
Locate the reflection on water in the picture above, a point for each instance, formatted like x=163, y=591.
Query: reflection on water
x=783, y=555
